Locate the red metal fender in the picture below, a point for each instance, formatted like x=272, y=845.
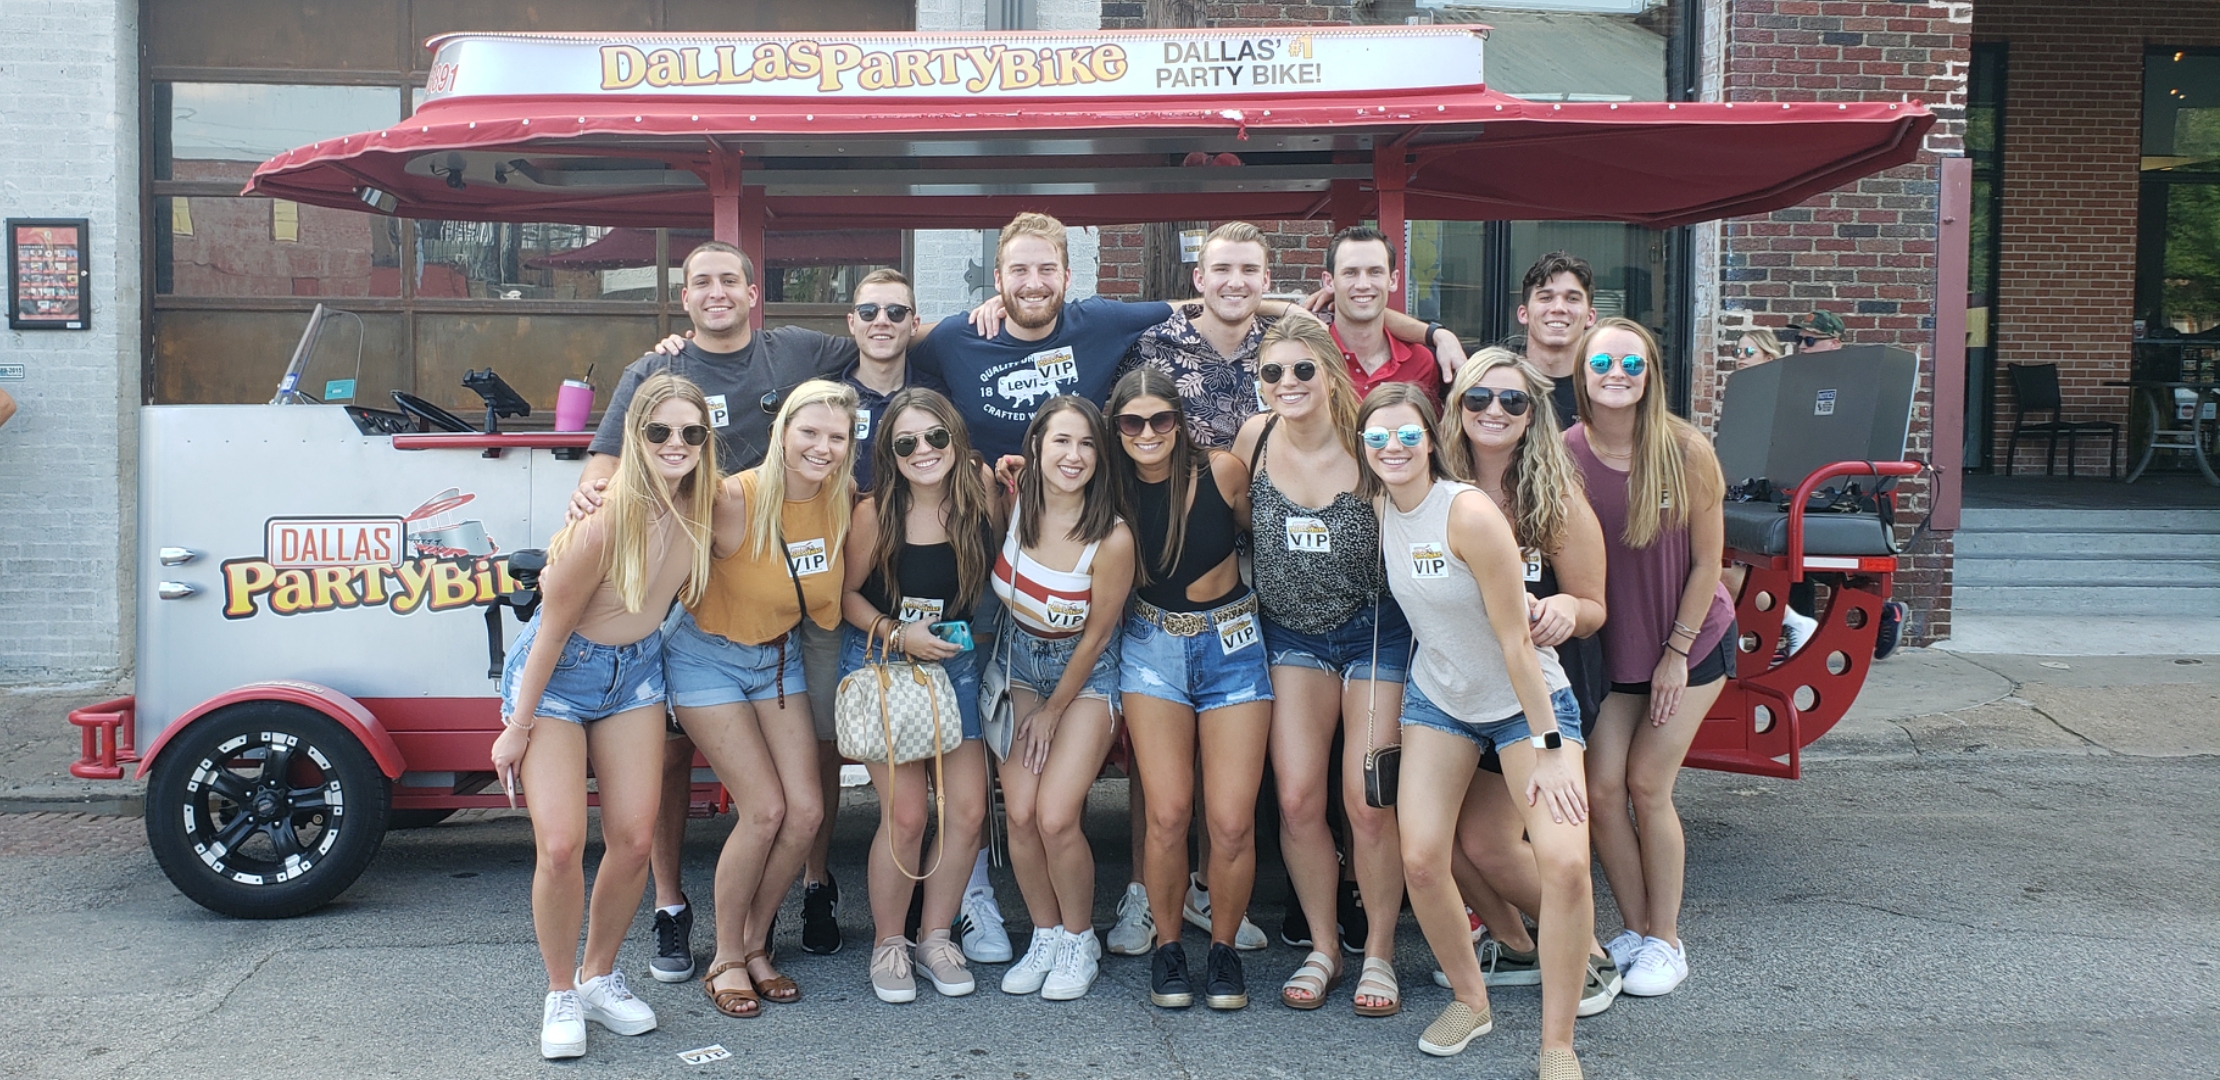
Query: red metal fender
x=345, y=710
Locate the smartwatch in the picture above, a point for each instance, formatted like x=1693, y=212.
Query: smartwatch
x=1548, y=740
x=1432, y=328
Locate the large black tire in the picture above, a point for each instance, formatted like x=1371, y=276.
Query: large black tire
x=265, y=810
x=416, y=819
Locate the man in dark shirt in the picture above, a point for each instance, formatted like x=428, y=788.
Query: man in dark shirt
x=1557, y=306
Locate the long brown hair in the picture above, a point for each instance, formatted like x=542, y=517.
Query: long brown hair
x=1387, y=395
x=1302, y=329
x=1098, y=511
x=967, y=515
x=1541, y=476
x=1673, y=467
x=635, y=498
x=1187, y=461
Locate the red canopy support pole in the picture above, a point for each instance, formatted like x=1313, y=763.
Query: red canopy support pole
x=1345, y=204
x=751, y=243
x=1390, y=171
x=732, y=220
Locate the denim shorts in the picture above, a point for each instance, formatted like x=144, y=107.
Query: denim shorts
x=1346, y=650
x=962, y=669
x=1418, y=710
x=1038, y=664
x=591, y=681
x=708, y=669
x=1220, y=667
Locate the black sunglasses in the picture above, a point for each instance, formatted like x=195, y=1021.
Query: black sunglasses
x=659, y=433
x=1514, y=402
x=1130, y=425
x=905, y=445
x=894, y=312
x=1305, y=371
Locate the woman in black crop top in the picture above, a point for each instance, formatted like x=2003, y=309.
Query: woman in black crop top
x=1191, y=669
x=920, y=553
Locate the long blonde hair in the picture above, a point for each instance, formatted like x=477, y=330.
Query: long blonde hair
x=1542, y=477
x=636, y=496
x=1673, y=466
x=1342, y=403
x=770, y=478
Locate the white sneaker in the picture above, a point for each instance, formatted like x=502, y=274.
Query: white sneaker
x=1796, y=629
x=1135, y=934
x=562, y=1026
x=609, y=1002
x=1623, y=949
x=1077, y=964
x=1657, y=969
x=980, y=926
x=1197, y=913
x=1025, y=976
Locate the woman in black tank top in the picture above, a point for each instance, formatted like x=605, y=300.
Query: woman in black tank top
x=1510, y=447
x=1191, y=670
x=920, y=554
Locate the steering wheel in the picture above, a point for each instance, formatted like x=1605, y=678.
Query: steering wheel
x=428, y=415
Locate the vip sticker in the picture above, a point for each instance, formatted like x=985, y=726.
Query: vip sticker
x=1429, y=560
x=863, y=424
x=705, y=1055
x=921, y=609
x=1066, y=614
x=807, y=557
x=1533, y=559
x=1057, y=366
x=1309, y=534
x=1236, y=634
x=719, y=416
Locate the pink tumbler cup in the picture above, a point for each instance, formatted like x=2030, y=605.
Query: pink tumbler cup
x=572, y=404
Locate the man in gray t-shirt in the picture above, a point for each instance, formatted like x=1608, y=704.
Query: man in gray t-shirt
x=745, y=387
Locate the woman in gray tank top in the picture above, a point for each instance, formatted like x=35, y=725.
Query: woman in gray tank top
x=1449, y=551
x=1338, y=648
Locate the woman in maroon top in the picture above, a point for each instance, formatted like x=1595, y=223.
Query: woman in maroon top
x=1668, y=643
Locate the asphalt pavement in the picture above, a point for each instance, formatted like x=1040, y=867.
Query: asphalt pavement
x=1998, y=866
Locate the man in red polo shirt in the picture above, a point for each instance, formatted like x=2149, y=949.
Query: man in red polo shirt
x=1361, y=269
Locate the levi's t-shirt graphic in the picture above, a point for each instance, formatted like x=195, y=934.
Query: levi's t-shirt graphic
x=999, y=383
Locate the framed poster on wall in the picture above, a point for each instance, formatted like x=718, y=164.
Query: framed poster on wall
x=47, y=274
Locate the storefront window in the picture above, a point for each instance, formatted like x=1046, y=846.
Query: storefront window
x=498, y=261
x=219, y=246
x=222, y=131
x=2178, y=246
x=1985, y=146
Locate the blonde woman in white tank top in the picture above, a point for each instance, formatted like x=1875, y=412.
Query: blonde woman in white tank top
x=1059, y=644
x=1449, y=550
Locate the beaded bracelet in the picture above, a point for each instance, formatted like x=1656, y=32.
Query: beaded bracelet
x=506, y=722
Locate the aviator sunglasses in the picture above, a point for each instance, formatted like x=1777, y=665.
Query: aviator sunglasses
x=1514, y=402
x=905, y=445
x=1409, y=435
x=894, y=312
x=1305, y=371
x=1130, y=425
x=659, y=433
x=1631, y=363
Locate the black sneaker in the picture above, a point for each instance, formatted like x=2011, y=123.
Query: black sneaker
x=674, y=946
x=1354, y=925
x=1893, y=614
x=1168, y=985
x=1223, y=986
x=1294, y=928
x=821, y=917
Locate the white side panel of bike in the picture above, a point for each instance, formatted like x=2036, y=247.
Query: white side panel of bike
x=323, y=554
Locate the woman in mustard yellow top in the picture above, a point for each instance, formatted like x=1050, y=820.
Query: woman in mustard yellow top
x=734, y=665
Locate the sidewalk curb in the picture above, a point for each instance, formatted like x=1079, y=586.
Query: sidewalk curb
x=119, y=805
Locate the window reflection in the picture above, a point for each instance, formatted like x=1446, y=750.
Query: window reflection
x=221, y=131
x=2178, y=241
x=1560, y=50
x=502, y=261
x=210, y=246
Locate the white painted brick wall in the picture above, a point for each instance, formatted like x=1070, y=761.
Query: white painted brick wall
x=69, y=147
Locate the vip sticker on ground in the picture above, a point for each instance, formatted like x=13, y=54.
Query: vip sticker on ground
x=705, y=1055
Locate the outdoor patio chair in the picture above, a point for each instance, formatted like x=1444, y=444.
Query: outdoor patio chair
x=2035, y=390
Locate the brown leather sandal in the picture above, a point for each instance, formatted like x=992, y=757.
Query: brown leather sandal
x=740, y=1003
x=778, y=988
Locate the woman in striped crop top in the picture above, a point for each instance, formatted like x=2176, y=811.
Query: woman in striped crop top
x=1337, y=645
x=1061, y=650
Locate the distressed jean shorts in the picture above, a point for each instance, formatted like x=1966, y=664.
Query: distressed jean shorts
x=591, y=681
x=962, y=669
x=1420, y=711
x=1221, y=666
x=1037, y=664
x=1346, y=650
x=709, y=669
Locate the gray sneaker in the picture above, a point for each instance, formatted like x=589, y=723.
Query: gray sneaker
x=1135, y=934
x=1504, y=966
x=1601, y=986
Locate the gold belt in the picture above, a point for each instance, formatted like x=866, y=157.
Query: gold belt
x=1191, y=623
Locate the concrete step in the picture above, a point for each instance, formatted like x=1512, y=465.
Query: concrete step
x=1972, y=543
x=2094, y=573
x=2065, y=601
x=2090, y=521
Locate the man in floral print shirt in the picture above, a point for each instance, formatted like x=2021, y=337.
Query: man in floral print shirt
x=1209, y=348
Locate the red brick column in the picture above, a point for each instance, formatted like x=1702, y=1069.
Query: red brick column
x=1866, y=253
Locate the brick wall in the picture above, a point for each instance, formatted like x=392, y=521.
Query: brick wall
x=67, y=460
x=1298, y=247
x=1866, y=253
x=2072, y=143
